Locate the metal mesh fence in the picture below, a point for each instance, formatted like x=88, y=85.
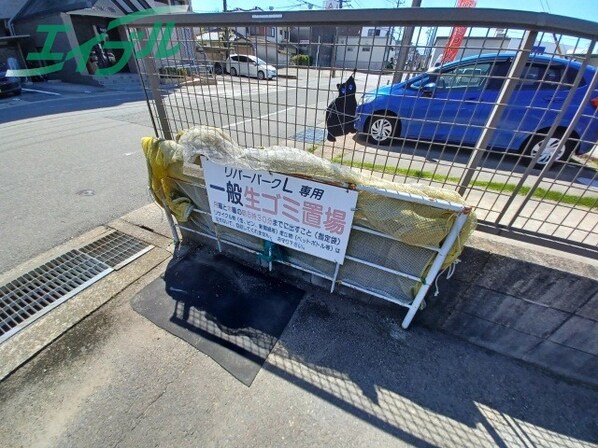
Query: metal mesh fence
x=508, y=117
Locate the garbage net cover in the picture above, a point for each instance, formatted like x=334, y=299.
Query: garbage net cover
x=409, y=222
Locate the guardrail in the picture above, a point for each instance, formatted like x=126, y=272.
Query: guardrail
x=514, y=133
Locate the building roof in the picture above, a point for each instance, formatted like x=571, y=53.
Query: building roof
x=103, y=8
x=92, y=12
x=8, y=8
x=99, y=8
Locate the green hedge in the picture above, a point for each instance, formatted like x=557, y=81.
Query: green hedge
x=300, y=59
x=174, y=71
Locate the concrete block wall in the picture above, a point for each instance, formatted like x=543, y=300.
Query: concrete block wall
x=119, y=81
x=525, y=302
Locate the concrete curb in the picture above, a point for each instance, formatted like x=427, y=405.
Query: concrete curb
x=24, y=345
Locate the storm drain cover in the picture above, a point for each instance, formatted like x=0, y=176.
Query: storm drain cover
x=116, y=249
x=33, y=294
x=310, y=135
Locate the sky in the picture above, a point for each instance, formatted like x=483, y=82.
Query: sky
x=581, y=9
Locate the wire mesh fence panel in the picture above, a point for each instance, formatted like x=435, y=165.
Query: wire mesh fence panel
x=507, y=115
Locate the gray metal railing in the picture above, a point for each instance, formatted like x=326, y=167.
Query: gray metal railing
x=515, y=133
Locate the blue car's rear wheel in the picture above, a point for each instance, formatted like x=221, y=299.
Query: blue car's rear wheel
x=382, y=129
x=534, y=144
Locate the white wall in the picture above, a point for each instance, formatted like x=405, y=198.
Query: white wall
x=472, y=46
x=363, y=52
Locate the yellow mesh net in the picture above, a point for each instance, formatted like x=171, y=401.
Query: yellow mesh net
x=409, y=222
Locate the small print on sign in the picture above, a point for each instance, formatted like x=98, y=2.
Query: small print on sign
x=300, y=214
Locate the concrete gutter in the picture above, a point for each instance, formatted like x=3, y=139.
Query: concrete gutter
x=27, y=343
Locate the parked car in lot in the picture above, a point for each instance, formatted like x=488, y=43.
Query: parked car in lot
x=8, y=85
x=452, y=103
x=247, y=65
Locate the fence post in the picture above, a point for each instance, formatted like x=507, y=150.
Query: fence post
x=154, y=84
x=505, y=93
x=404, y=48
x=143, y=76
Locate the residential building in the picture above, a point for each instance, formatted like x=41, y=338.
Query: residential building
x=10, y=43
x=471, y=46
x=83, y=20
x=500, y=42
x=270, y=43
x=364, y=48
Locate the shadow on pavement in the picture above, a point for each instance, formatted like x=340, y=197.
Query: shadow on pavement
x=339, y=362
x=422, y=388
x=71, y=103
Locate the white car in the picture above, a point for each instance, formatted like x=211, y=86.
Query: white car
x=247, y=65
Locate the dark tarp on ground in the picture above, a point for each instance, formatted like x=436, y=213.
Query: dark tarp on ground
x=231, y=313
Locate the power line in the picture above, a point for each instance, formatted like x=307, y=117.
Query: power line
x=310, y=5
x=544, y=8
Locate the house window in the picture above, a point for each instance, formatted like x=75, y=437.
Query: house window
x=272, y=32
x=373, y=32
x=366, y=48
x=351, y=49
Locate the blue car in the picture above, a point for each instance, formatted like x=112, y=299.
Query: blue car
x=452, y=104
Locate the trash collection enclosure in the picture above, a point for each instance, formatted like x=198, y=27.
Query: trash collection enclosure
x=504, y=121
x=386, y=239
x=513, y=128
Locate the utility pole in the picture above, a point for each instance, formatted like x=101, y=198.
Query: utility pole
x=333, y=59
x=226, y=35
x=405, y=47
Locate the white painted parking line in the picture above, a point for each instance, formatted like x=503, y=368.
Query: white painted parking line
x=257, y=118
x=45, y=92
x=322, y=123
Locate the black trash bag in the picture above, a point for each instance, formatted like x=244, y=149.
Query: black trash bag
x=340, y=114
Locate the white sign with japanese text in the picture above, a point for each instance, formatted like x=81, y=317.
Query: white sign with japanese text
x=300, y=214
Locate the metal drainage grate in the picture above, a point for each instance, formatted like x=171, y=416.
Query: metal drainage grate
x=116, y=249
x=28, y=297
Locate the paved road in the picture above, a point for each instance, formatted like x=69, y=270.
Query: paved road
x=71, y=160
x=67, y=166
